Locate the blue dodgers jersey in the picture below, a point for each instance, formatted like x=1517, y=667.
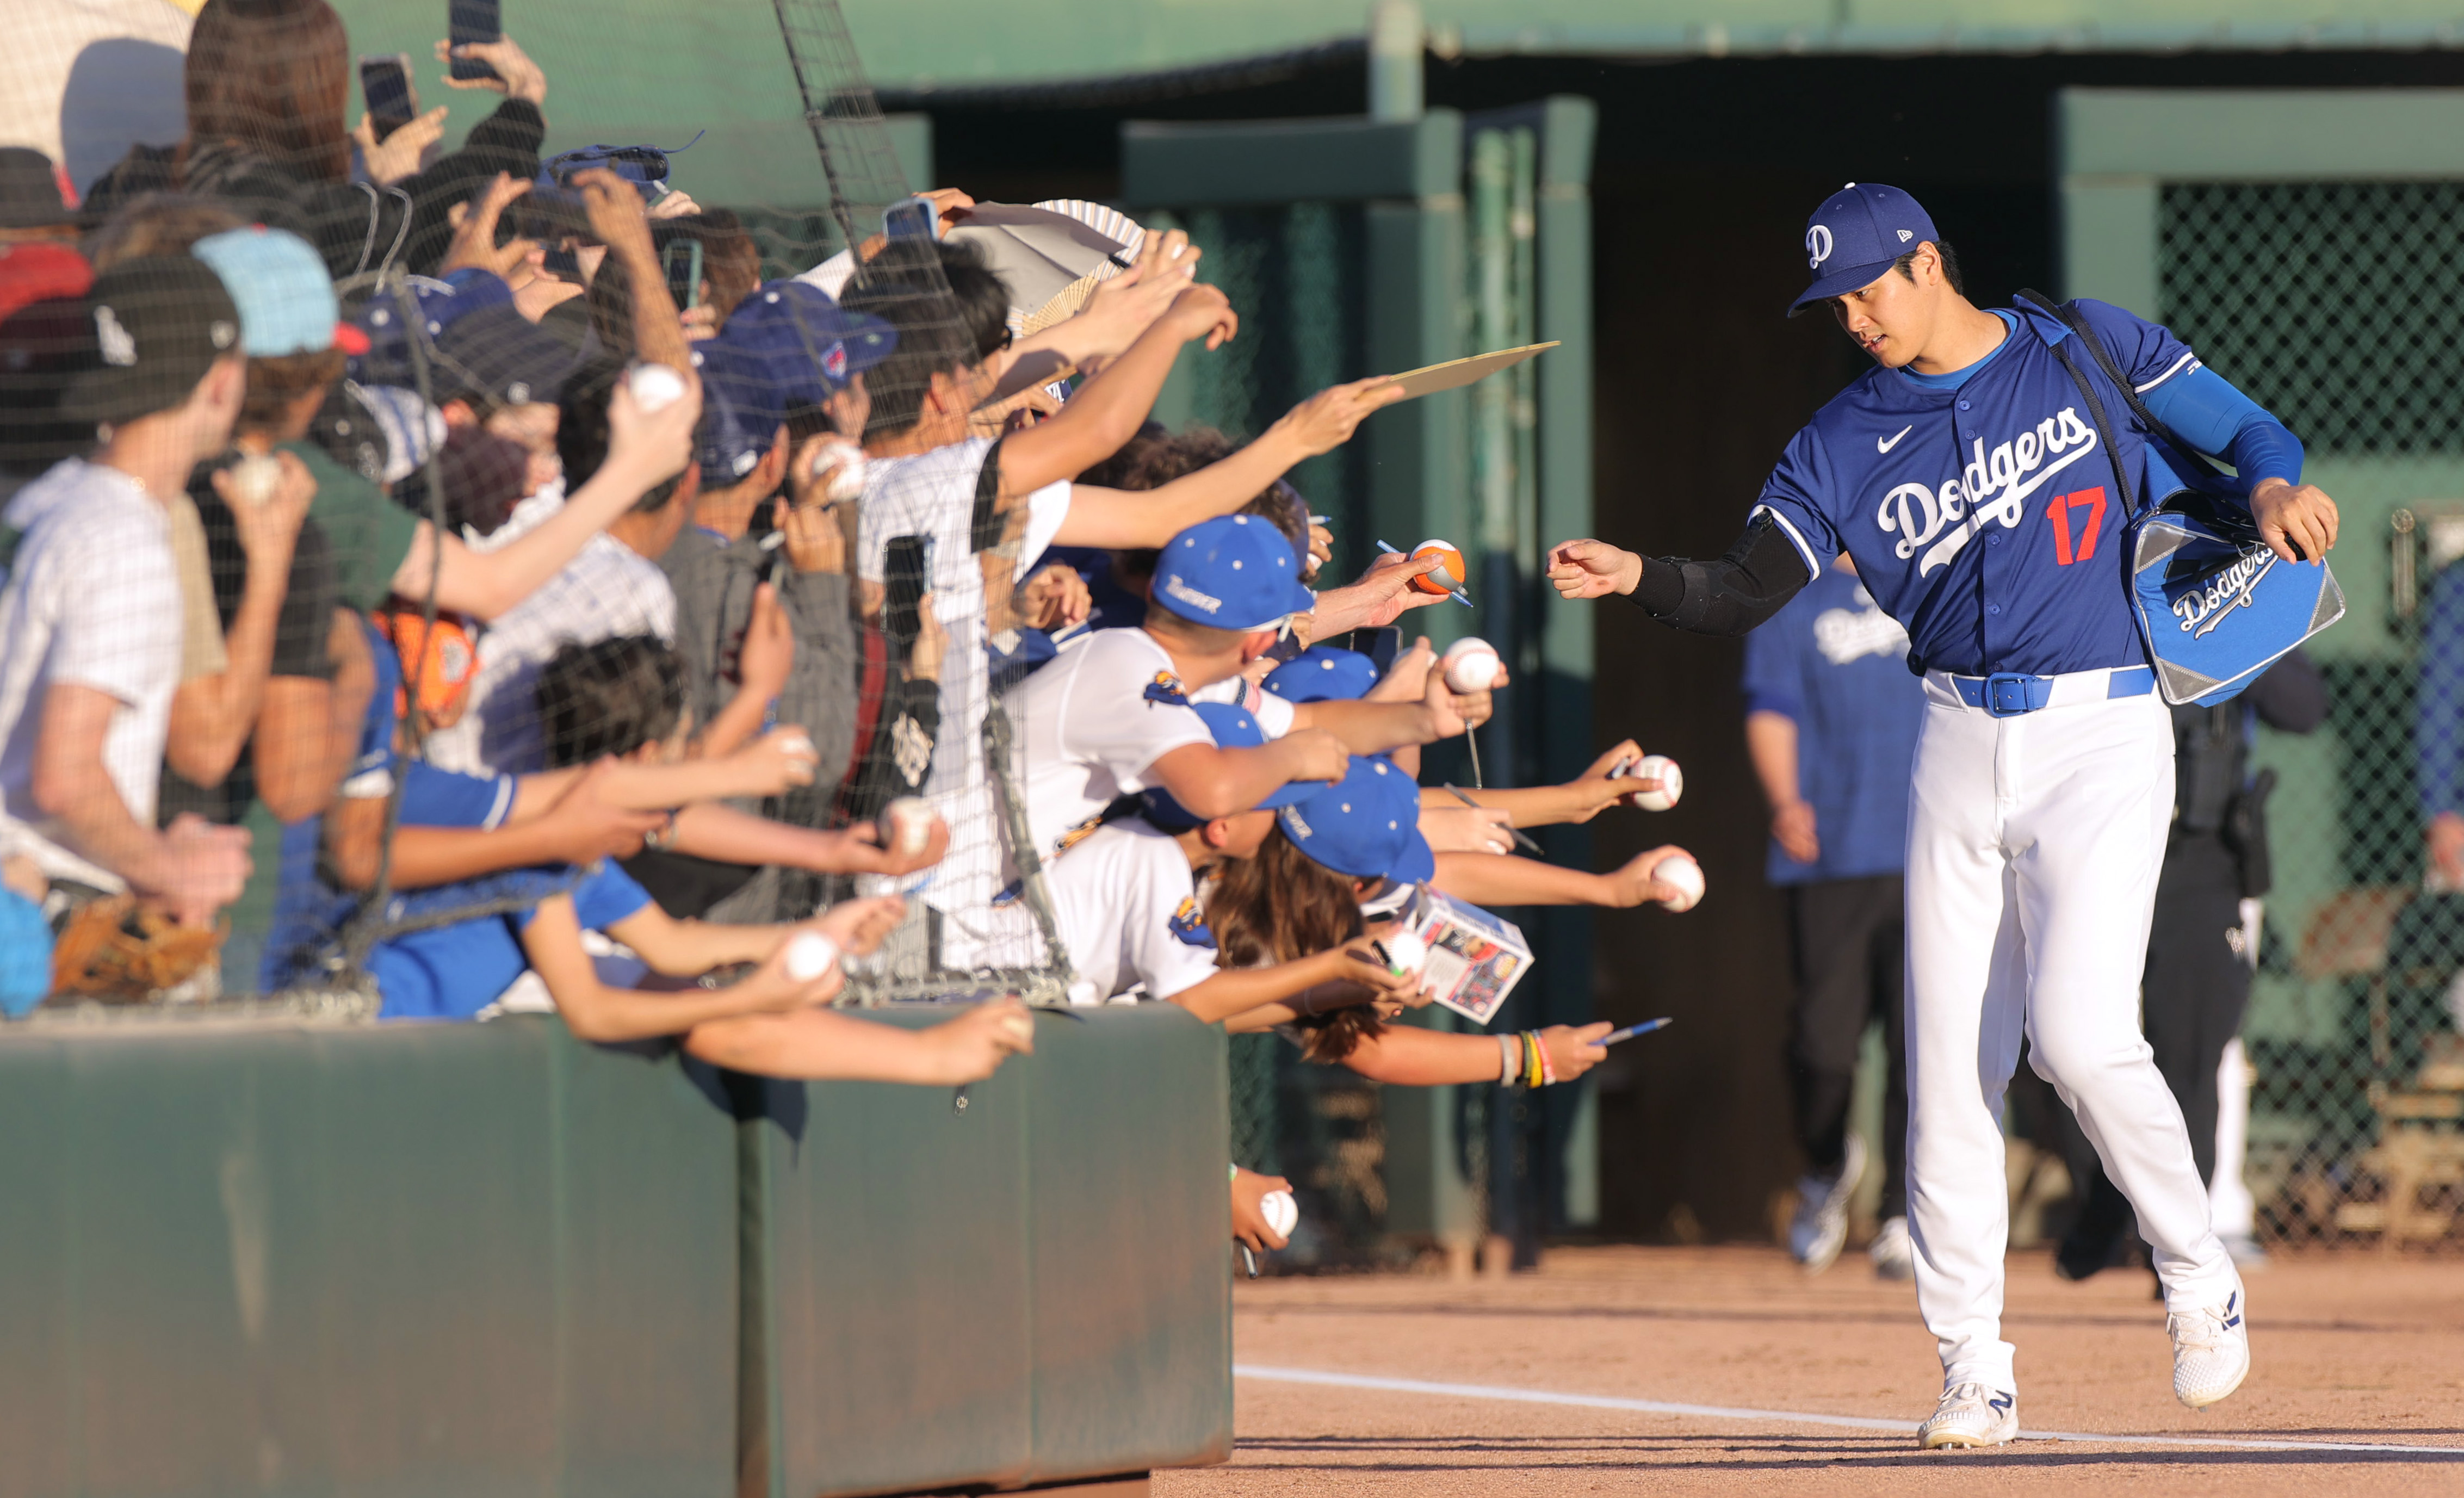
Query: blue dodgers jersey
x=1982, y=517
x=1834, y=663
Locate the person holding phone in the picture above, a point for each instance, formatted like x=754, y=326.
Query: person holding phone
x=267, y=86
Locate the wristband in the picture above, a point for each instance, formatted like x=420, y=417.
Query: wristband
x=1547, y=1067
x=1532, y=1064
x=1505, y=1058
x=1236, y=1173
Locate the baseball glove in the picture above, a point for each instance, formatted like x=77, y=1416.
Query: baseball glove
x=121, y=952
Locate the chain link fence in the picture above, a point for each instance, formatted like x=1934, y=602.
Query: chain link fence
x=2332, y=305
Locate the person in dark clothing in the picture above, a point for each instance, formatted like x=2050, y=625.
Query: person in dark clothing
x=2199, y=956
x=267, y=82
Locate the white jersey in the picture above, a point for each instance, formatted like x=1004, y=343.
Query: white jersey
x=1126, y=902
x=1091, y=725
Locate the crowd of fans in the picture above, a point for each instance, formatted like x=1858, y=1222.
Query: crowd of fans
x=608, y=628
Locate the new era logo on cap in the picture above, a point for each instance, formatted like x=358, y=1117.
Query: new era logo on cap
x=118, y=347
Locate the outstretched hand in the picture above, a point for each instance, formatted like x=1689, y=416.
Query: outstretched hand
x=1593, y=569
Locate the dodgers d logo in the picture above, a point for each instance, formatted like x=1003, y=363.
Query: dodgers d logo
x=1818, y=246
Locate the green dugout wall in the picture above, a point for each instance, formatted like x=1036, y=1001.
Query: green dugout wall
x=2305, y=243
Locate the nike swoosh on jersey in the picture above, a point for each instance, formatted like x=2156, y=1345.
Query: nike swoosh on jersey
x=1882, y=445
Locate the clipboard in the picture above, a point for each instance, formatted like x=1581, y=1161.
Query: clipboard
x=1456, y=373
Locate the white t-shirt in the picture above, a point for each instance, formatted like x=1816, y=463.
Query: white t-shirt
x=1272, y=713
x=1090, y=725
x=607, y=591
x=92, y=599
x=1126, y=903
x=933, y=494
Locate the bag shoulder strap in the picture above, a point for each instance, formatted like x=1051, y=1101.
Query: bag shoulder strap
x=2123, y=493
x=2155, y=427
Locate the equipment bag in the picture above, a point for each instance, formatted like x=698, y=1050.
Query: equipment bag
x=2198, y=565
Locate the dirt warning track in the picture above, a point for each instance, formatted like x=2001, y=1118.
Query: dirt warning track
x=1717, y=1370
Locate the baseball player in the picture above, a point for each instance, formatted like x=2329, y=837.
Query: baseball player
x=1962, y=475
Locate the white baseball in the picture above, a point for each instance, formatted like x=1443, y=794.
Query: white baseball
x=799, y=746
x=254, y=477
x=910, y=822
x=1663, y=769
x=1282, y=1213
x=1405, y=952
x=810, y=954
x=844, y=462
x=1685, y=874
x=656, y=387
x=1472, y=665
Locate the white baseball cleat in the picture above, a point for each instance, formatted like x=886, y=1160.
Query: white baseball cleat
x=1821, y=1221
x=1970, y=1415
x=2211, y=1352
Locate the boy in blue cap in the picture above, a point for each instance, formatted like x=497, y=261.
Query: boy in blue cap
x=1112, y=716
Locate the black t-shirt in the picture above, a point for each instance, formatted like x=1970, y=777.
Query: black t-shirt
x=300, y=632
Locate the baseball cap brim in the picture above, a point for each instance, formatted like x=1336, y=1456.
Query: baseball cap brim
x=1417, y=864
x=1838, y=283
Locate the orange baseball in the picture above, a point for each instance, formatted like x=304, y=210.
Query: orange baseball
x=1448, y=577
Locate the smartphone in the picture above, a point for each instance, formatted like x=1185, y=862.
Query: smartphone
x=912, y=218
x=681, y=259
x=473, y=21
x=906, y=575
x=384, y=82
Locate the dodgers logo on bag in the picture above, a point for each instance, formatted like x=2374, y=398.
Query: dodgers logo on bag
x=2218, y=606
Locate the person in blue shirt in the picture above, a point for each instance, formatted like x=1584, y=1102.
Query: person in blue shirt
x=1982, y=474
x=1831, y=726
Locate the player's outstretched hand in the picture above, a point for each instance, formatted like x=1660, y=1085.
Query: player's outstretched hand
x=1593, y=569
x=2297, y=521
x=1574, y=1048
x=972, y=1047
x=1249, y=1222
x=1793, y=828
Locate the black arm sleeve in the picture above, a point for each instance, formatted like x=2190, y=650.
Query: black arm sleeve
x=1730, y=596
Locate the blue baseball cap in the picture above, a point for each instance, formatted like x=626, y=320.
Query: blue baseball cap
x=438, y=304
x=1233, y=572
x=1366, y=826
x=740, y=412
x=1233, y=728
x=1321, y=673
x=1854, y=235
x=284, y=294
x=805, y=344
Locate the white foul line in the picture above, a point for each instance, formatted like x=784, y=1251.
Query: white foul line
x=1602, y=1402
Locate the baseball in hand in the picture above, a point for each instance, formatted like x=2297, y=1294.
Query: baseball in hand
x=1019, y=1027
x=1282, y=1213
x=1448, y=577
x=799, y=746
x=810, y=954
x=656, y=387
x=1405, y=952
x=844, y=462
x=909, y=821
x=253, y=478
x=1686, y=875
x=1472, y=665
x=1671, y=783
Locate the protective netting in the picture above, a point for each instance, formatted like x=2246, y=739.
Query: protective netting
x=453, y=620
x=2332, y=304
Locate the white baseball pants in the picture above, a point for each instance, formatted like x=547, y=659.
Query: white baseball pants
x=2033, y=845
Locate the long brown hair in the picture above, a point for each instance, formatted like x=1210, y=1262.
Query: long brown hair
x=271, y=77
x=1281, y=905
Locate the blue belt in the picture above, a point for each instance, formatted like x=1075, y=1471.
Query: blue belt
x=2009, y=694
